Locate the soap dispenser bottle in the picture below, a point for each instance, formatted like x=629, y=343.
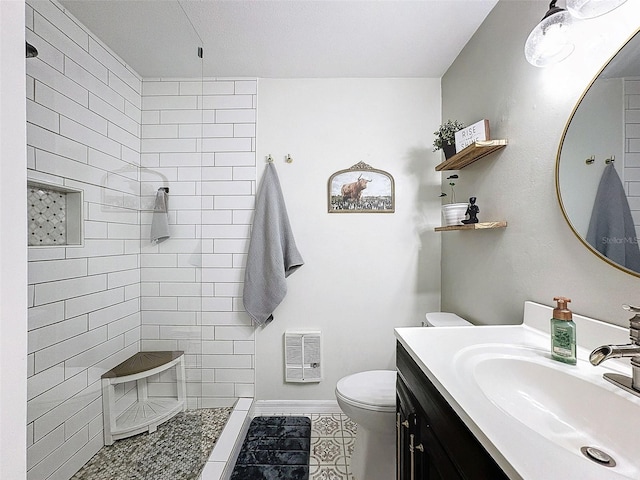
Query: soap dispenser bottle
x=563, y=333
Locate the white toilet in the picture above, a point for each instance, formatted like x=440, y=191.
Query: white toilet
x=369, y=399
x=444, y=319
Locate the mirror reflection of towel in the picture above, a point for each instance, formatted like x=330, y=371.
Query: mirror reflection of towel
x=611, y=229
x=273, y=254
x=160, y=219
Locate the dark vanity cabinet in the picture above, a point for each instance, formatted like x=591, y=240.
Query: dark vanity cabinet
x=406, y=430
x=432, y=442
x=419, y=454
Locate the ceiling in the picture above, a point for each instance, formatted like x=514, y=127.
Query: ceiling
x=284, y=38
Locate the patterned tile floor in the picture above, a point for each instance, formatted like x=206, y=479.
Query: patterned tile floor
x=332, y=439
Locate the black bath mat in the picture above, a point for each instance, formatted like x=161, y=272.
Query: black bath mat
x=275, y=448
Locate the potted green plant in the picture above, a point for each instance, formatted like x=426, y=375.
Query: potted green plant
x=452, y=184
x=453, y=213
x=446, y=137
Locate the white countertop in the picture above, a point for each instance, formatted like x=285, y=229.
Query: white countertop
x=446, y=356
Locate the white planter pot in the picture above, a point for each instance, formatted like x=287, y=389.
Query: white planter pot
x=454, y=213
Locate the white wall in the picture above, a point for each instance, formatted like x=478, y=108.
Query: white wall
x=364, y=274
x=13, y=254
x=487, y=276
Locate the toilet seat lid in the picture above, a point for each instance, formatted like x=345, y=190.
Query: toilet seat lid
x=375, y=388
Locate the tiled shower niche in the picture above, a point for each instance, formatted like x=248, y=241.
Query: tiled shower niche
x=54, y=214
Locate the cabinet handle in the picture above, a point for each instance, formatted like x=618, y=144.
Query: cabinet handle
x=405, y=424
x=411, y=451
x=420, y=448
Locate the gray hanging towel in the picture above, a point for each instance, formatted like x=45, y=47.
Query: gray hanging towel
x=611, y=229
x=160, y=219
x=273, y=254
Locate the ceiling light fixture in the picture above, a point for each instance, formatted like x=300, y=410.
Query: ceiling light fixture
x=550, y=41
x=584, y=9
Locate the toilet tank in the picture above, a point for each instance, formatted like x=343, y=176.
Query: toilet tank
x=444, y=319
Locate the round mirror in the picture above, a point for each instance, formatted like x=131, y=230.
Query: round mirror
x=598, y=165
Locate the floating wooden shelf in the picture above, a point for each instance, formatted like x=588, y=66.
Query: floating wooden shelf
x=473, y=152
x=472, y=226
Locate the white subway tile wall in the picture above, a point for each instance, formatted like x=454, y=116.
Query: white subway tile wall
x=95, y=125
x=198, y=139
x=632, y=147
x=85, y=308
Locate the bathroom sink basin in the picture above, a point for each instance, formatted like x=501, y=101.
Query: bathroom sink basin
x=532, y=414
x=570, y=406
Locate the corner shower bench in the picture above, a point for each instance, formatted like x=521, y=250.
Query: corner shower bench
x=146, y=413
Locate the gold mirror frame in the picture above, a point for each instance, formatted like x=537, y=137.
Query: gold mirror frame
x=557, y=170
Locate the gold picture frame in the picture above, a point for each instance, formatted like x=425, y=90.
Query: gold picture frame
x=361, y=189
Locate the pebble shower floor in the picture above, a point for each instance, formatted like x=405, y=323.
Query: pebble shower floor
x=177, y=450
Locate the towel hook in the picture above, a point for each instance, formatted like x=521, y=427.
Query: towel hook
x=590, y=160
x=269, y=158
x=288, y=159
x=610, y=160
x=166, y=189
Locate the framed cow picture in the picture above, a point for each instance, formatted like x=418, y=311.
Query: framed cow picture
x=361, y=189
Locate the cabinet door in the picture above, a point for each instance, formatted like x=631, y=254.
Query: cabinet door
x=419, y=455
x=405, y=423
x=431, y=460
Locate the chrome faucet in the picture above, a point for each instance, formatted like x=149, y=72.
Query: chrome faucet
x=605, y=352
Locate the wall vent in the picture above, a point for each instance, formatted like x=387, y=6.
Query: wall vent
x=302, y=353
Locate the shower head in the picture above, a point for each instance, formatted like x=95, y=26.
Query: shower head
x=31, y=51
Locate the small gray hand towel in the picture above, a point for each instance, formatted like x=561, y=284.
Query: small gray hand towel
x=273, y=254
x=160, y=219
